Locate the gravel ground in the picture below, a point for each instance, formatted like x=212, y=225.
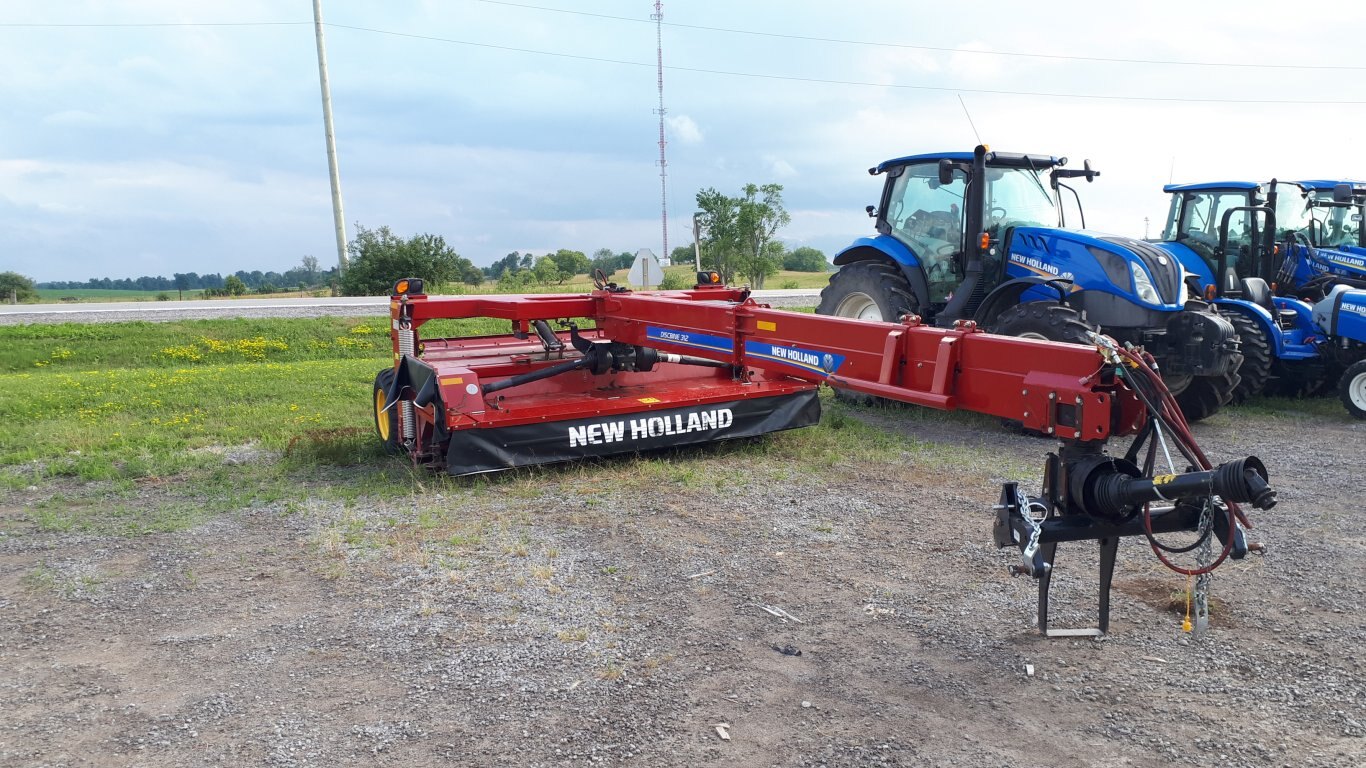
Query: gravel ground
x=571, y=617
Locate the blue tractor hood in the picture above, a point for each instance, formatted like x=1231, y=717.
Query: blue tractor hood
x=1098, y=261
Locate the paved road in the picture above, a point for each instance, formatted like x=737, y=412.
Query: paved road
x=155, y=311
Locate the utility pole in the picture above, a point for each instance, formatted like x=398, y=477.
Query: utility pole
x=338, y=217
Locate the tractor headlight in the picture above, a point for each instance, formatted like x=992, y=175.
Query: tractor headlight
x=1143, y=285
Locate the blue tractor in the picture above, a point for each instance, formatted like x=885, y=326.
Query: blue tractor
x=1227, y=236
x=1268, y=255
x=982, y=236
x=1333, y=243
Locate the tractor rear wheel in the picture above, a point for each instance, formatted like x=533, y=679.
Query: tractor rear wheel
x=386, y=422
x=867, y=290
x=1352, y=389
x=1256, y=367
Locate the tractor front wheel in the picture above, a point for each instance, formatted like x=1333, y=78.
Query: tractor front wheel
x=386, y=422
x=1044, y=321
x=1352, y=389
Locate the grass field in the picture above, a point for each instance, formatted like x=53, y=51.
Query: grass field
x=225, y=413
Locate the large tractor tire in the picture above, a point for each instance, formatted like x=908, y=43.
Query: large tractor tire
x=386, y=422
x=1045, y=321
x=1200, y=397
x=1352, y=389
x=1255, y=370
x=867, y=290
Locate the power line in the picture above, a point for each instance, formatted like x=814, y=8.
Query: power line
x=938, y=49
x=790, y=78
x=826, y=81
x=167, y=24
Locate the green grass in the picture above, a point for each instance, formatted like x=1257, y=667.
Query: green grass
x=196, y=343
x=1293, y=409
x=139, y=427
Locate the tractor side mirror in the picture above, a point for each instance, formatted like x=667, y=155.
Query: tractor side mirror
x=1090, y=174
x=1342, y=193
x=945, y=171
x=872, y=211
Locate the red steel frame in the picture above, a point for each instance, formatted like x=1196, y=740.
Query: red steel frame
x=1061, y=389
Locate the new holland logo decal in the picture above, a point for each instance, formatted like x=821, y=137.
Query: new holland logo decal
x=807, y=359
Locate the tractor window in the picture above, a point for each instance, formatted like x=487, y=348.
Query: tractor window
x=1293, y=212
x=1338, y=225
x=1017, y=197
x=1204, y=213
x=928, y=217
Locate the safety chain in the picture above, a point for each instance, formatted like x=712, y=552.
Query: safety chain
x=1204, y=554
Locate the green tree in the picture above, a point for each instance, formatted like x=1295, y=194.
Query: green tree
x=805, y=259
x=681, y=255
x=722, y=245
x=571, y=263
x=14, y=286
x=545, y=271
x=740, y=232
x=233, y=286
x=379, y=258
x=761, y=214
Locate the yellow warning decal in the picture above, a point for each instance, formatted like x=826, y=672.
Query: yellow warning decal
x=449, y=380
x=1163, y=479
x=767, y=325
x=649, y=399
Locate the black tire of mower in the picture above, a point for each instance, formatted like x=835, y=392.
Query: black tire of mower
x=1255, y=370
x=885, y=285
x=1041, y=320
x=386, y=422
x=1352, y=389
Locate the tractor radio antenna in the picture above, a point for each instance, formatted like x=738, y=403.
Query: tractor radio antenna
x=969, y=114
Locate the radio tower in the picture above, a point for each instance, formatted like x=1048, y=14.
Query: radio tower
x=658, y=16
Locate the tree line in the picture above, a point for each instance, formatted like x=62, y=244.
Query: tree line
x=739, y=240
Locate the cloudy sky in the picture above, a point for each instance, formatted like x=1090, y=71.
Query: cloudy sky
x=196, y=143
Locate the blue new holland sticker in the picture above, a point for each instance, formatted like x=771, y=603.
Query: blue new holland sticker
x=689, y=339
x=808, y=359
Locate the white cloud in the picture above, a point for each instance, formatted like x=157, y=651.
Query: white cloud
x=780, y=167
x=684, y=129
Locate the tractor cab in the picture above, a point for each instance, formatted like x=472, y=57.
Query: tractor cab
x=1338, y=255
x=925, y=206
x=984, y=237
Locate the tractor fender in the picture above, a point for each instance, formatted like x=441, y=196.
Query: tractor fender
x=1007, y=295
x=887, y=249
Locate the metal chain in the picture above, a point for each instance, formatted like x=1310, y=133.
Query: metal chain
x=1203, y=556
x=1035, y=529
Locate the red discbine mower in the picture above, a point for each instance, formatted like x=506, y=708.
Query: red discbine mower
x=670, y=368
